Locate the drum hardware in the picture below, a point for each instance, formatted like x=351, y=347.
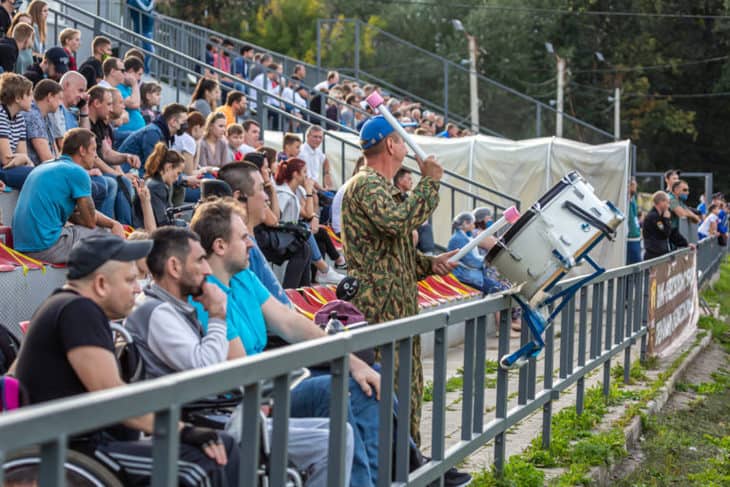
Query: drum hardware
x=546, y=242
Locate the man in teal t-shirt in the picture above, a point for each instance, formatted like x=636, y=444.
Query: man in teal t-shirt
x=55, y=193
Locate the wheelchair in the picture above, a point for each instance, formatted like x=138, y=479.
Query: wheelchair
x=21, y=468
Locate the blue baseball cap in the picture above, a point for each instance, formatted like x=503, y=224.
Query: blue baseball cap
x=374, y=130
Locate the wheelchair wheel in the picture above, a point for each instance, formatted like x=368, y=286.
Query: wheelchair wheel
x=22, y=469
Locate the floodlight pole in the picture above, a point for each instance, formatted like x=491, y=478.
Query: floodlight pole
x=473, y=90
x=617, y=113
x=561, y=93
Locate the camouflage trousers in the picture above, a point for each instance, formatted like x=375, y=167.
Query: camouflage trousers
x=416, y=393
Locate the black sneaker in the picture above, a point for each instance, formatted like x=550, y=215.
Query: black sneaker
x=341, y=267
x=452, y=477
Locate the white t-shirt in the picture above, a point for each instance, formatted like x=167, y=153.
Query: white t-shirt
x=705, y=226
x=337, y=209
x=104, y=84
x=185, y=143
x=245, y=149
x=314, y=159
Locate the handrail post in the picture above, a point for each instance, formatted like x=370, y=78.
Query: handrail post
x=166, y=446
x=502, y=387
x=53, y=457
x=338, y=420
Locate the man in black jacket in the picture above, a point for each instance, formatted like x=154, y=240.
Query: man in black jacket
x=657, y=229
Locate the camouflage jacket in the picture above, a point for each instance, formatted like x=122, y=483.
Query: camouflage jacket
x=377, y=227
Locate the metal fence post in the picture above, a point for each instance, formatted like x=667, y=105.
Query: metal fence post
x=280, y=432
x=547, y=409
x=339, y=372
x=608, y=343
x=405, y=348
x=166, y=447
x=582, y=332
x=627, y=310
x=502, y=388
x=53, y=457
x=480, y=362
x=250, y=428
x=385, y=421
x=644, y=315
x=438, y=425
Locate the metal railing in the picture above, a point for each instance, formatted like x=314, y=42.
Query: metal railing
x=180, y=70
x=594, y=331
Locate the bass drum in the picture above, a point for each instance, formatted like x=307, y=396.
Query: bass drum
x=553, y=235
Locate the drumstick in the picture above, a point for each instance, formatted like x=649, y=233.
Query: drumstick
x=376, y=103
x=509, y=216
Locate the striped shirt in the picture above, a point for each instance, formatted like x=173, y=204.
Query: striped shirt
x=12, y=129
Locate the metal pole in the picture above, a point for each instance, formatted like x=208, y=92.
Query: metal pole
x=473, y=93
x=617, y=113
x=357, y=49
x=561, y=90
x=446, y=92
x=538, y=120
x=319, y=48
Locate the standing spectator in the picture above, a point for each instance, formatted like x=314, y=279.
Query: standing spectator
x=213, y=147
x=40, y=136
x=7, y=7
x=267, y=82
x=70, y=40
x=311, y=153
x=53, y=66
x=15, y=96
x=251, y=134
x=660, y=237
x=677, y=203
x=333, y=77
x=235, y=106
x=708, y=228
x=58, y=193
x=242, y=64
x=162, y=170
x=101, y=48
x=14, y=47
x=163, y=129
x=38, y=11
x=259, y=66
x=633, y=245
x=206, y=96
x=670, y=177
x=143, y=22
x=150, y=94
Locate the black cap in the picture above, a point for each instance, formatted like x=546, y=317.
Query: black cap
x=89, y=254
x=255, y=158
x=59, y=57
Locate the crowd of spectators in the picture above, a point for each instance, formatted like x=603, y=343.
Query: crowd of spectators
x=94, y=155
x=658, y=231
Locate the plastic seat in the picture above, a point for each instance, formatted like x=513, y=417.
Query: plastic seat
x=302, y=306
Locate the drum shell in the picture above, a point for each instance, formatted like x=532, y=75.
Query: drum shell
x=526, y=253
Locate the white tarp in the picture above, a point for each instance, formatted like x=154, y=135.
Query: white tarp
x=524, y=170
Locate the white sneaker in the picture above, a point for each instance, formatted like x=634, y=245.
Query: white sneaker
x=329, y=277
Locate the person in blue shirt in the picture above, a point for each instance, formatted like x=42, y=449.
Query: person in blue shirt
x=129, y=89
x=56, y=193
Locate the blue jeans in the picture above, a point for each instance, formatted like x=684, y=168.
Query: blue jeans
x=100, y=193
x=122, y=205
x=316, y=254
x=633, y=251
x=311, y=399
x=15, y=176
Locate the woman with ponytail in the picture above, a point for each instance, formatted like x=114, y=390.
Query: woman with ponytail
x=162, y=169
x=296, y=202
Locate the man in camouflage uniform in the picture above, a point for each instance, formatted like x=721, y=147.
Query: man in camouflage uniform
x=377, y=224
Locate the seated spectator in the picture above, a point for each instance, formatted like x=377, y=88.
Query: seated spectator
x=296, y=200
x=291, y=145
x=234, y=136
x=708, y=228
x=472, y=269
x=70, y=40
x=118, y=116
x=236, y=105
x=251, y=134
x=69, y=350
x=337, y=200
x=272, y=212
x=142, y=142
x=91, y=69
x=54, y=209
x=242, y=64
x=186, y=143
x=317, y=162
x=40, y=130
x=15, y=49
x=173, y=340
x=118, y=202
x=162, y=170
x=7, y=7
x=113, y=69
x=213, y=148
x=272, y=162
x=451, y=131
x=206, y=96
x=247, y=189
x=15, y=96
x=150, y=93
x=660, y=236
x=53, y=66
x=130, y=90
x=71, y=112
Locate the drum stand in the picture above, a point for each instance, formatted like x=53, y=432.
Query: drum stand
x=537, y=323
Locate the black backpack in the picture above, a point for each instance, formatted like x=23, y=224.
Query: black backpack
x=9, y=346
